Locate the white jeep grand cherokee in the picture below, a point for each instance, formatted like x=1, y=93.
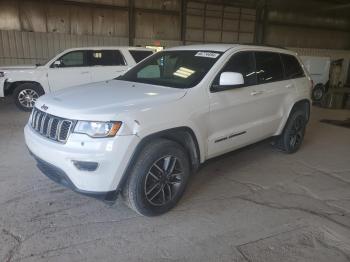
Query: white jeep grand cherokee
x=143, y=133
x=72, y=67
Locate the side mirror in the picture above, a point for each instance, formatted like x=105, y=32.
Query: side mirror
x=231, y=79
x=57, y=63
x=228, y=80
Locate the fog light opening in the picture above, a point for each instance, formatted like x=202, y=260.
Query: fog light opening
x=85, y=165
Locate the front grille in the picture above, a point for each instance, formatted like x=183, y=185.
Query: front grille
x=52, y=127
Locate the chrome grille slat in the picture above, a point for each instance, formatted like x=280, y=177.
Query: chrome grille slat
x=40, y=118
x=52, y=127
x=41, y=130
x=49, y=127
x=45, y=125
x=34, y=118
x=65, y=129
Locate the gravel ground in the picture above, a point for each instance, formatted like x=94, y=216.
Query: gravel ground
x=255, y=204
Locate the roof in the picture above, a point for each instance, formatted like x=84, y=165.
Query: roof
x=109, y=48
x=205, y=47
x=225, y=47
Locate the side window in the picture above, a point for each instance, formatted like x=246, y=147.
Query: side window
x=292, y=67
x=106, y=58
x=139, y=55
x=268, y=67
x=242, y=62
x=73, y=59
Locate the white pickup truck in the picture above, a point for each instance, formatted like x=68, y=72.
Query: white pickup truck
x=71, y=67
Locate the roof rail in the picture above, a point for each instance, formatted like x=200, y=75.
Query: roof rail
x=262, y=45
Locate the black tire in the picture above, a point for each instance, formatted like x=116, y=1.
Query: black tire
x=23, y=102
x=293, y=134
x=137, y=192
x=318, y=93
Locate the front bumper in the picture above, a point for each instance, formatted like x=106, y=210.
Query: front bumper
x=56, y=160
x=59, y=176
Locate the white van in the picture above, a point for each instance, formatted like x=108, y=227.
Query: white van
x=318, y=68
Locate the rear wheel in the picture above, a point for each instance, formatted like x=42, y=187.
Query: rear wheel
x=25, y=96
x=293, y=134
x=158, y=178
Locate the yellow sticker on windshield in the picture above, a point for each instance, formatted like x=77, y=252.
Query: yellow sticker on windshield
x=183, y=72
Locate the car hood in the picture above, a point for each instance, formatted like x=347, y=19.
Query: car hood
x=104, y=100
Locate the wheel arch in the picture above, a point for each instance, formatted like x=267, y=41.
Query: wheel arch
x=181, y=135
x=303, y=104
x=11, y=86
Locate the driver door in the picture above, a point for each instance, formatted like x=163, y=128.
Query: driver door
x=235, y=117
x=71, y=69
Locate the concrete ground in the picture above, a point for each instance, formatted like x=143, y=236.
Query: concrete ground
x=255, y=204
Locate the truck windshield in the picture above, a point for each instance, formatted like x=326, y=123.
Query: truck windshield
x=178, y=69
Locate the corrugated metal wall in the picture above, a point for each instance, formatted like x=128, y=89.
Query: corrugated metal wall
x=53, y=17
x=286, y=28
x=333, y=54
x=209, y=23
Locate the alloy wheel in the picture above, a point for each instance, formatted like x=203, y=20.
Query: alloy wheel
x=27, y=97
x=163, y=180
x=318, y=93
x=297, y=132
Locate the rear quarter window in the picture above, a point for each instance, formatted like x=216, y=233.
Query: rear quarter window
x=106, y=58
x=292, y=67
x=139, y=55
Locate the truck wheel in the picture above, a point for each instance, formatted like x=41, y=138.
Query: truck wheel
x=25, y=96
x=293, y=134
x=158, y=178
x=318, y=93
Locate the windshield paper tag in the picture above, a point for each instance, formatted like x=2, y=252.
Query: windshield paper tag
x=207, y=54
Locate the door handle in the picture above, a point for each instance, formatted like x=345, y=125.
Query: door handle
x=290, y=86
x=85, y=72
x=254, y=93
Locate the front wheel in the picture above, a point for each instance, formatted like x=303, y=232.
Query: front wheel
x=293, y=134
x=158, y=178
x=25, y=96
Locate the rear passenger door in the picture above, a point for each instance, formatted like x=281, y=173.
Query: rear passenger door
x=274, y=89
x=295, y=73
x=106, y=64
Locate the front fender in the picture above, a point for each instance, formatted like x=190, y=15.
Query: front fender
x=37, y=76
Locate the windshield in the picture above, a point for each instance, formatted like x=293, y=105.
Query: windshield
x=178, y=69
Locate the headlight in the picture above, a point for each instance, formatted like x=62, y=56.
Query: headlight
x=2, y=74
x=97, y=129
